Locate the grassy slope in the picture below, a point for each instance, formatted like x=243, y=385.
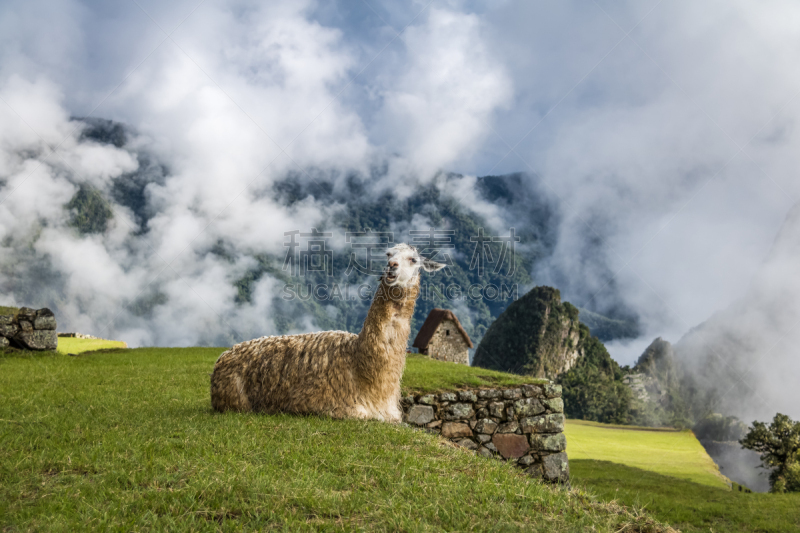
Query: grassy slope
x=424, y=374
x=668, y=452
x=73, y=345
x=5, y=310
x=126, y=440
x=687, y=505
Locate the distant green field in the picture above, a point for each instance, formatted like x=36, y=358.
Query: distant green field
x=72, y=345
x=126, y=440
x=663, y=451
x=692, y=507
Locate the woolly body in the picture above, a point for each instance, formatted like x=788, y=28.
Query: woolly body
x=332, y=373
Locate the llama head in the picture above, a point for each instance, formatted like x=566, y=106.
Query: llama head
x=404, y=262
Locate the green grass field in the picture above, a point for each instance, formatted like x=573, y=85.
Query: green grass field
x=126, y=440
x=663, y=451
x=689, y=506
x=67, y=345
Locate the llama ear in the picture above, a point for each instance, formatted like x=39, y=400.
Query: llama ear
x=431, y=266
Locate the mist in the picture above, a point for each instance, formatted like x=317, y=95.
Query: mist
x=662, y=134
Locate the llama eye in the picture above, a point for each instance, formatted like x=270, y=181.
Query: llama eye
x=413, y=260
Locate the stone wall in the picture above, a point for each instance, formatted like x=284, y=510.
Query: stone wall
x=452, y=348
x=523, y=424
x=29, y=329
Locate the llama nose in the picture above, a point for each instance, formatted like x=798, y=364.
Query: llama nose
x=393, y=264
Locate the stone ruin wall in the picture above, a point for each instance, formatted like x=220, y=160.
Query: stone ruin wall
x=523, y=424
x=451, y=348
x=29, y=329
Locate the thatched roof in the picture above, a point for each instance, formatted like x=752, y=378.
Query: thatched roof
x=433, y=321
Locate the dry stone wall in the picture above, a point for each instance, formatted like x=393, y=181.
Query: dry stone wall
x=448, y=347
x=29, y=329
x=523, y=424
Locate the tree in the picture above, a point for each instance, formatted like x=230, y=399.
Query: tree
x=779, y=446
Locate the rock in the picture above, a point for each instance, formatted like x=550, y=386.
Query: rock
x=556, y=467
x=496, y=409
x=448, y=397
x=550, y=443
x=427, y=399
x=528, y=407
x=24, y=325
x=510, y=413
x=38, y=340
x=491, y=447
x=486, y=426
x=510, y=445
x=525, y=460
x=457, y=411
x=483, y=439
x=489, y=394
x=552, y=391
x=508, y=427
x=435, y=424
x=405, y=401
x=44, y=322
x=452, y=430
x=485, y=452
x=468, y=444
x=483, y=412
x=467, y=396
x=512, y=394
x=6, y=320
x=3, y=342
x=556, y=405
x=532, y=391
x=543, y=424
x=420, y=415
x=44, y=311
x=26, y=313
x=8, y=330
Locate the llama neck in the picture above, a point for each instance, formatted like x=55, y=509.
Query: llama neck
x=384, y=338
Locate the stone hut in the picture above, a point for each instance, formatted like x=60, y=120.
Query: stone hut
x=442, y=337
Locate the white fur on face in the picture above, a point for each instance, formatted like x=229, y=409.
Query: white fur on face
x=403, y=265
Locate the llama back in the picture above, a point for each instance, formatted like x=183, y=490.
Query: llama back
x=307, y=373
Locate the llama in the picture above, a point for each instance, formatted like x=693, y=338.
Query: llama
x=333, y=373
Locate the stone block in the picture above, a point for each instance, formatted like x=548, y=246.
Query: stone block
x=528, y=407
x=483, y=412
x=468, y=444
x=26, y=313
x=553, y=423
x=510, y=413
x=483, y=439
x=556, y=467
x=549, y=443
x=483, y=451
x=486, y=426
x=556, y=405
x=6, y=320
x=407, y=401
x=508, y=427
x=44, y=322
x=510, y=445
x=44, y=311
x=433, y=425
x=457, y=411
x=489, y=394
x=38, y=340
x=3, y=342
x=552, y=391
x=8, y=330
x=448, y=397
x=452, y=430
x=427, y=399
x=535, y=470
x=525, y=460
x=25, y=325
x=420, y=415
x=491, y=447
x=512, y=394
x=532, y=391
x=467, y=396
x=497, y=410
